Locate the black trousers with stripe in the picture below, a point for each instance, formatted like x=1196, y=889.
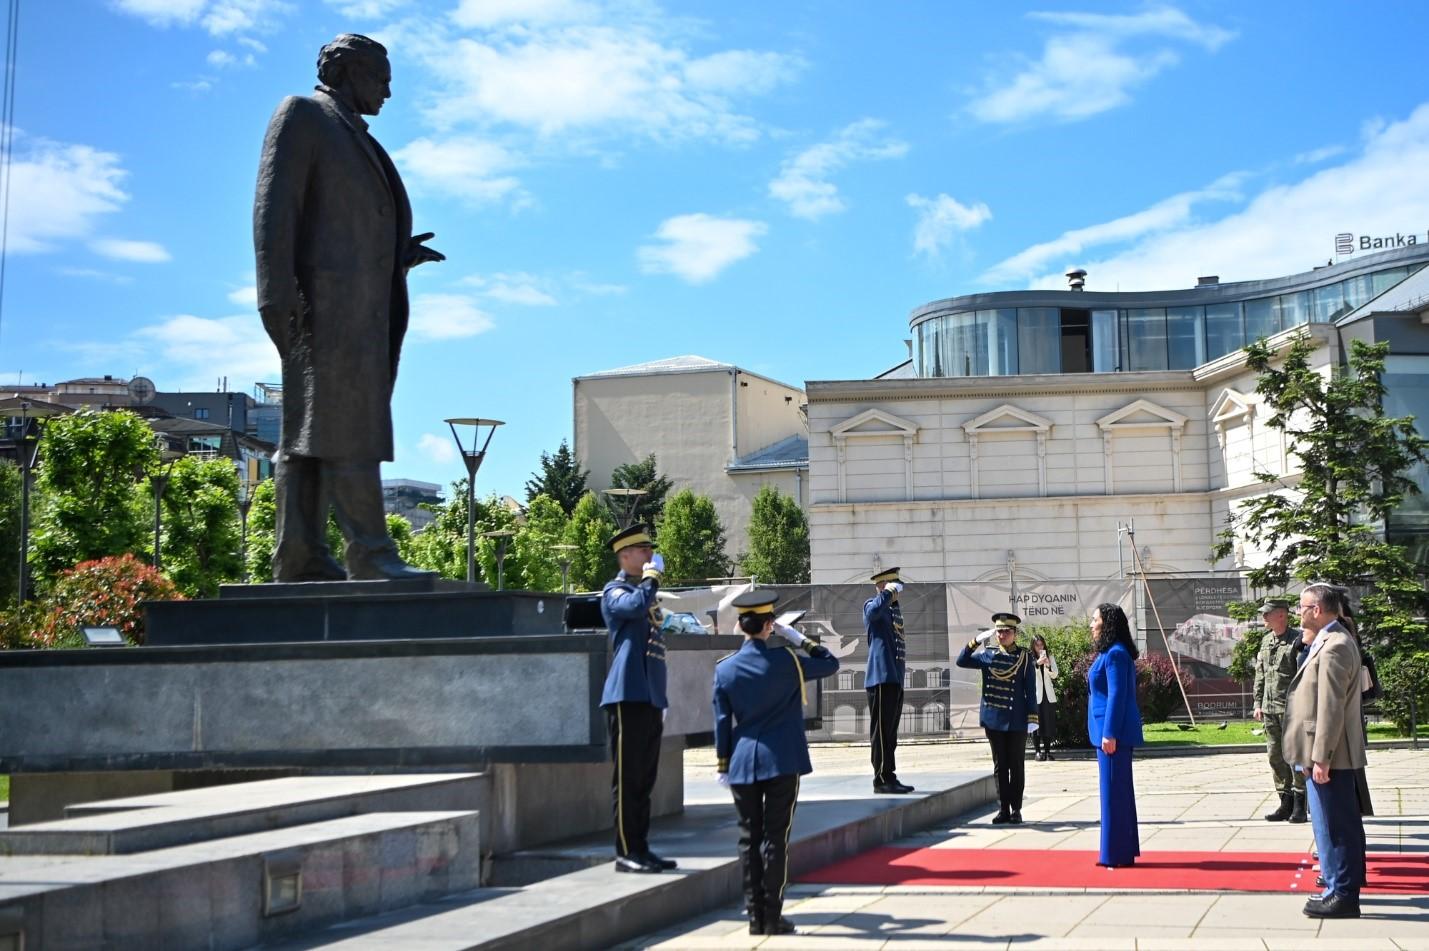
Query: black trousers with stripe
x=766, y=813
x=1009, y=763
x=635, y=730
x=885, y=709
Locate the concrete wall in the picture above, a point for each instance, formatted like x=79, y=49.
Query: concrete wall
x=765, y=412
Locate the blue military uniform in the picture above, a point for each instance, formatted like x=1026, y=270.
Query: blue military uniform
x=1009, y=706
x=634, y=702
x=883, y=680
x=759, y=697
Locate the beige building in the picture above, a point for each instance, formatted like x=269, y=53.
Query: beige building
x=714, y=428
x=1031, y=426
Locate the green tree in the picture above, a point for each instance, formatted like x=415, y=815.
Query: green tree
x=643, y=475
x=692, y=539
x=89, y=503
x=778, y=539
x=535, y=544
x=9, y=533
x=589, y=529
x=1354, y=463
x=561, y=479
x=201, y=527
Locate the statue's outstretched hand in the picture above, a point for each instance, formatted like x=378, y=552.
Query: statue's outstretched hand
x=419, y=253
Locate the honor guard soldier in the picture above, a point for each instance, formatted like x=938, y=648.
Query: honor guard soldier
x=759, y=697
x=634, y=696
x=1009, y=706
x=1275, y=665
x=883, y=622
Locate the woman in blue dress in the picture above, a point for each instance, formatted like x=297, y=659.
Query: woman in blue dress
x=1114, y=725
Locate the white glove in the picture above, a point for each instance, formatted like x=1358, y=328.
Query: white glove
x=895, y=586
x=792, y=634
x=1031, y=728
x=658, y=562
x=987, y=637
x=723, y=780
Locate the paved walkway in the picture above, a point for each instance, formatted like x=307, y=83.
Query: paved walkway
x=1187, y=802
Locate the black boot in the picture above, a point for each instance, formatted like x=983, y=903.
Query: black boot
x=775, y=922
x=1297, y=811
x=1286, y=804
x=756, y=918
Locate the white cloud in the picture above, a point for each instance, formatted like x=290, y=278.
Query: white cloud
x=162, y=12
x=597, y=289
x=465, y=167
x=1166, y=214
x=245, y=297
x=1287, y=228
x=1322, y=154
x=437, y=449
x=367, y=9
x=485, y=14
x=940, y=218
x=517, y=288
x=142, y=252
x=221, y=58
x=59, y=191
x=1093, y=64
x=698, y=247
x=199, y=349
x=551, y=76
x=447, y=317
x=217, y=17
x=93, y=274
x=803, y=183
x=193, y=85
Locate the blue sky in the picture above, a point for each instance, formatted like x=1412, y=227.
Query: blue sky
x=769, y=184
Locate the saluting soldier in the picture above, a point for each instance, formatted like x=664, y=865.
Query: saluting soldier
x=634, y=696
x=883, y=622
x=1009, y=706
x=1275, y=665
x=759, y=699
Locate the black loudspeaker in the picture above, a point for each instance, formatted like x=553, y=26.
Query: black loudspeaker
x=583, y=613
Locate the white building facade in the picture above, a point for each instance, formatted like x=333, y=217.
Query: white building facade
x=1030, y=427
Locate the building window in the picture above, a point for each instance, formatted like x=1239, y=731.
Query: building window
x=1144, y=338
x=201, y=413
x=1185, y=337
x=1225, y=332
x=1260, y=319
x=1039, y=340
x=845, y=680
x=934, y=718
x=1104, y=345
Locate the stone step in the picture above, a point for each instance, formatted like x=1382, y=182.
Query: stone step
x=597, y=907
x=164, y=820
x=236, y=892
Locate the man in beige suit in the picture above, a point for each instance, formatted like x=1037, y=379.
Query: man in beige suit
x=1323, y=739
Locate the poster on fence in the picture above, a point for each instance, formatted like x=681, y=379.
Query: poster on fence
x=1196, y=628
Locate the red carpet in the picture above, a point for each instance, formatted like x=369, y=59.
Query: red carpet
x=1206, y=871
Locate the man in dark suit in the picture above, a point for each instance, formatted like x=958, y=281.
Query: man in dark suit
x=759, y=698
x=883, y=681
x=634, y=697
x=332, y=228
x=1324, y=738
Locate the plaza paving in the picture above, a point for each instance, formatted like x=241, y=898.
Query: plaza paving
x=1185, y=802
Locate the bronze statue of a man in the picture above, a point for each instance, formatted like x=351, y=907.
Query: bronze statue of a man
x=332, y=228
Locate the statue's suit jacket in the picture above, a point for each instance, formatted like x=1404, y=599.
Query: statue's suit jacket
x=331, y=215
x=1322, y=708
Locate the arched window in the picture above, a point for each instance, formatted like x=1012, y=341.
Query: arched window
x=908, y=722
x=935, y=719
x=845, y=721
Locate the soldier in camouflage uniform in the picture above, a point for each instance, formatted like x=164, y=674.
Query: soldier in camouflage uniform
x=1274, y=666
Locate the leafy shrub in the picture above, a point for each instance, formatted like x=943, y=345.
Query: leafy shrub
x=1404, y=676
x=107, y=592
x=1243, y=656
x=1156, y=691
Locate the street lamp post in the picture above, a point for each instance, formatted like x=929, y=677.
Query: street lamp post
x=245, y=503
x=160, y=481
x=625, y=502
x=27, y=465
x=472, y=456
x=565, y=556
x=502, y=536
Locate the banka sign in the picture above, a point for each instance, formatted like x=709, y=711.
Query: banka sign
x=1347, y=243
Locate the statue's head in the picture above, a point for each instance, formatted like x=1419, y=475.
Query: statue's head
x=357, y=66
